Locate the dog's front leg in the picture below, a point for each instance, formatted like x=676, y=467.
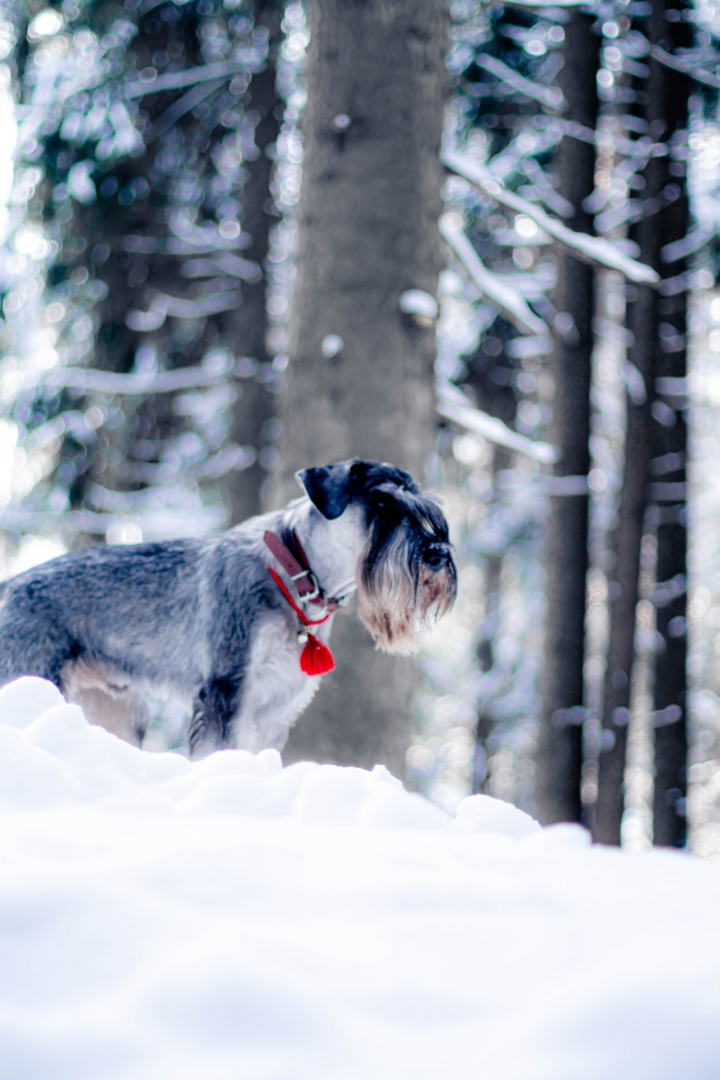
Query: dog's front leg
x=213, y=712
x=255, y=709
x=274, y=692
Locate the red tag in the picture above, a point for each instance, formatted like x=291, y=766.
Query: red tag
x=316, y=658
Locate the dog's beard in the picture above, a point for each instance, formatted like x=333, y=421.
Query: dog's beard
x=399, y=593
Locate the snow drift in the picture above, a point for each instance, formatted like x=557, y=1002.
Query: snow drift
x=231, y=918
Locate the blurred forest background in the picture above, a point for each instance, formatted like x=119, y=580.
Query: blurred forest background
x=475, y=239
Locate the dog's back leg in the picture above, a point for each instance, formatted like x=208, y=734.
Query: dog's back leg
x=213, y=712
x=33, y=640
x=125, y=716
x=107, y=697
x=19, y=657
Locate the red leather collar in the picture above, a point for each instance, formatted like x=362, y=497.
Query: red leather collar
x=315, y=658
x=297, y=568
x=289, y=553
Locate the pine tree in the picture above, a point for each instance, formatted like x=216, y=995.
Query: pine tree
x=145, y=196
x=247, y=326
x=559, y=759
x=656, y=320
x=360, y=378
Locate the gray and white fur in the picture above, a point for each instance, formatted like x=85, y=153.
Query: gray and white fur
x=204, y=621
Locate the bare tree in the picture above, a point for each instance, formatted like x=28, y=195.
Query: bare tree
x=559, y=758
x=360, y=379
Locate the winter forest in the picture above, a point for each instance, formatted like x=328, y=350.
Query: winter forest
x=174, y=347
x=476, y=240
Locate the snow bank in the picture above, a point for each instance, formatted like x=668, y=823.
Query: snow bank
x=161, y=920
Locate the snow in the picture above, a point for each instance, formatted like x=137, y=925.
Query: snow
x=688, y=68
x=505, y=296
x=594, y=249
x=550, y=96
x=453, y=405
x=231, y=918
x=419, y=302
x=543, y=4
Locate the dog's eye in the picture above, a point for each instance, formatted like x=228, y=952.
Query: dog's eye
x=435, y=558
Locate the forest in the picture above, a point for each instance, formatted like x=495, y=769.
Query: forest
x=244, y=240
x=482, y=248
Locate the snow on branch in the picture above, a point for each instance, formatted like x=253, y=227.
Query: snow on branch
x=163, y=305
x=684, y=66
x=593, y=249
x=177, y=80
x=506, y=297
x=691, y=242
x=187, y=102
x=544, y=3
x=550, y=96
x=163, y=522
x=88, y=380
x=641, y=149
x=223, y=263
x=453, y=405
x=201, y=238
x=515, y=154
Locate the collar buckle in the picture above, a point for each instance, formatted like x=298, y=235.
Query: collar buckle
x=308, y=597
x=293, y=560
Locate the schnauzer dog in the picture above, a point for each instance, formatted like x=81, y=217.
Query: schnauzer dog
x=237, y=625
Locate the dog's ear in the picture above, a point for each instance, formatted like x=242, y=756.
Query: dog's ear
x=328, y=487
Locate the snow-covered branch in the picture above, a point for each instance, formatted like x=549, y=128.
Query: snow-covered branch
x=187, y=102
x=164, y=305
x=549, y=96
x=506, y=297
x=202, y=238
x=593, y=249
x=505, y=163
x=543, y=4
x=690, y=243
x=231, y=458
x=639, y=149
x=453, y=405
x=684, y=66
x=223, y=263
x=177, y=80
x=159, y=522
x=545, y=191
x=88, y=380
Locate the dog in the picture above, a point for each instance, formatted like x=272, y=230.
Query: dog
x=237, y=625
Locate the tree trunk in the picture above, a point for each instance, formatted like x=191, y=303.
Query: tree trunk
x=367, y=232
x=247, y=326
x=668, y=490
x=559, y=759
x=491, y=381
x=665, y=108
x=130, y=273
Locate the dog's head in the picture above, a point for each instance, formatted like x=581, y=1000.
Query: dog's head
x=406, y=575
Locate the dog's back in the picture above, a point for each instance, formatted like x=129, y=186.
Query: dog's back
x=108, y=623
x=107, y=602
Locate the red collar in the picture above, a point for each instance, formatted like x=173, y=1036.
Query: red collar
x=289, y=553
x=315, y=658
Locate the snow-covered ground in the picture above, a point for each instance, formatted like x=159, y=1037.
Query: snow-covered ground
x=161, y=920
